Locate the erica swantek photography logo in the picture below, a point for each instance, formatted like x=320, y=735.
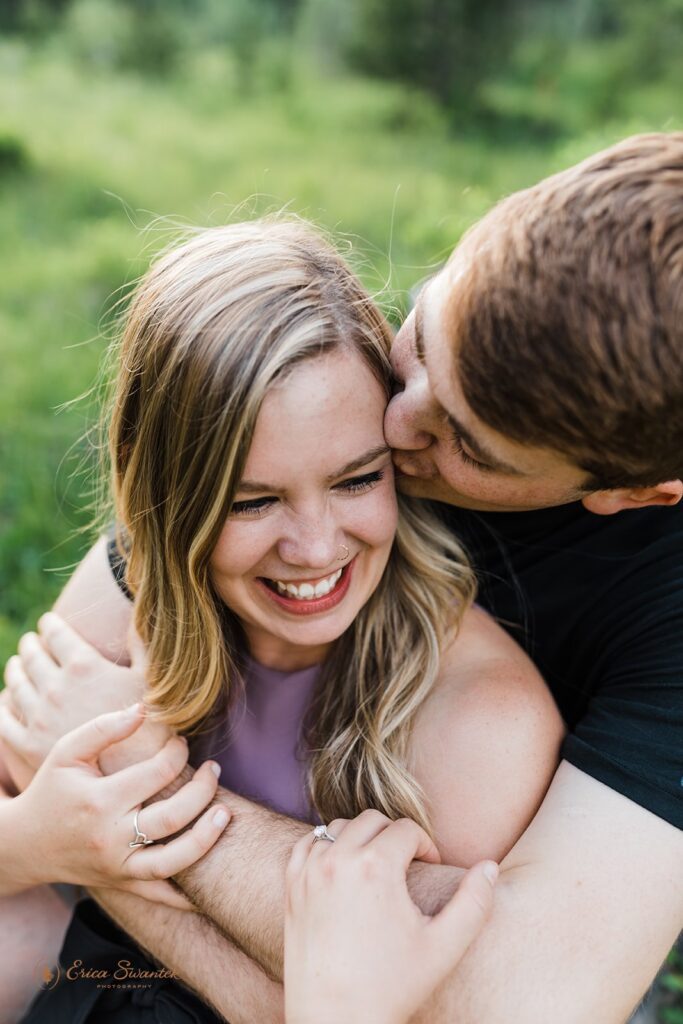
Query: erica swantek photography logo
x=123, y=974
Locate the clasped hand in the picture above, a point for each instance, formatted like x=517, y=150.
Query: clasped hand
x=76, y=821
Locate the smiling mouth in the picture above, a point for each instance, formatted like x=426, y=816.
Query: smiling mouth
x=308, y=590
x=309, y=596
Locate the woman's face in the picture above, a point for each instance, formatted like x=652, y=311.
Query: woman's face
x=314, y=516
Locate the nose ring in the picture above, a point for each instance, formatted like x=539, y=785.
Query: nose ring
x=345, y=555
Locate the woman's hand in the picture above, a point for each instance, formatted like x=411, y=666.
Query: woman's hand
x=58, y=681
x=356, y=946
x=72, y=824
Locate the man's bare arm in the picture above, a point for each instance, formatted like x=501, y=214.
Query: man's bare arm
x=190, y=946
x=588, y=904
x=240, y=884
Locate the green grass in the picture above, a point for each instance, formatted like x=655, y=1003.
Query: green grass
x=89, y=159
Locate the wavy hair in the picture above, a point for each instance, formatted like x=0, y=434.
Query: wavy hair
x=211, y=327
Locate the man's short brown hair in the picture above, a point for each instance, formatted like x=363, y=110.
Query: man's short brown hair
x=568, y=319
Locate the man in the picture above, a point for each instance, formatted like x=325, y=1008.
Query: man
x=540, y=382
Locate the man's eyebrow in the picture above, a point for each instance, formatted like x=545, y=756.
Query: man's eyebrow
x=418, y=335
x=480, y=452
x=255, y=487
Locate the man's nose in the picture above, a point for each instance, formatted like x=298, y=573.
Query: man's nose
x=409, y=420
x=313, y=541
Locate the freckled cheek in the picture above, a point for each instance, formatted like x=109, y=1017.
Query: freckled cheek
x=240, y=549
x=375, y=518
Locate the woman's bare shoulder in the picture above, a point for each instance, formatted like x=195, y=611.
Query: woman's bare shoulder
x=479, y=639
x=485, y=744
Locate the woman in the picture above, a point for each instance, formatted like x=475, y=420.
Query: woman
x=297, y=614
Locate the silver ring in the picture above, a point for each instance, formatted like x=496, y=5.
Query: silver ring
x=320, y=832
x=342, y=558
x=140, y=837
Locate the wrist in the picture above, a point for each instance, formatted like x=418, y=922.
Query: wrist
x=20, y=859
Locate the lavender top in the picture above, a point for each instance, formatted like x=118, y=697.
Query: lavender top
x=256, y=743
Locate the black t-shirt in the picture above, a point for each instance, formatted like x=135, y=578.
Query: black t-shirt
x=597, y=602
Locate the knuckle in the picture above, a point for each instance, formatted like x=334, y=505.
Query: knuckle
x=370, y=814
x=371, y=862
x=163, y=771
x=92, y=805
x=54, y=693
x=134, y=869
x=328, y=868
x=81, y=664
x=96, y=842
x=168, y=823
x=157, y=870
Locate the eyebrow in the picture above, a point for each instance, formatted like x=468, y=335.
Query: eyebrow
x=479, y=451
x=254, y=487
x=418, y=335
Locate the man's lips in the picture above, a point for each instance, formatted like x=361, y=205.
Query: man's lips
x=406, y=468
x=315, y=605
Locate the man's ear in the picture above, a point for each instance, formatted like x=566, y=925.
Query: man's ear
x=606, y=503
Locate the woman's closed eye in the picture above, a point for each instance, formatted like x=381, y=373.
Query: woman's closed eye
x=253, y=507
x=360, y=484
x=354, y=485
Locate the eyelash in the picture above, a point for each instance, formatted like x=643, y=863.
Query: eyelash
x=357, y=485
x=468, y=459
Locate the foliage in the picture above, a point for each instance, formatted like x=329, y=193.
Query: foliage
x=117, y=111
x=93, y=150
x=446, y=47
x=672, y=988
x=13, y=154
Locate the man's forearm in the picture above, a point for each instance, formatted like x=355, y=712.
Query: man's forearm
x=569, y=940
x=240, y=883
x=190, y=946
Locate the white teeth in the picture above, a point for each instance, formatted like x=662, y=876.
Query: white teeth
x=308, y=592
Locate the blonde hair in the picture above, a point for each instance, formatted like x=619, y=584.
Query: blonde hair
x=211, y=327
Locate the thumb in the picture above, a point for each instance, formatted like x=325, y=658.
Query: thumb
x=160, y=892
x=87, y=742
x=457, y=925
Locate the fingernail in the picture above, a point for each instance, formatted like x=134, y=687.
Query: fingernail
x=220, y=819
x=133, y=710
x=216, y=769
x=491, y=871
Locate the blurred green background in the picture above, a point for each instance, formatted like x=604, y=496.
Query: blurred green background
x=395, y=122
